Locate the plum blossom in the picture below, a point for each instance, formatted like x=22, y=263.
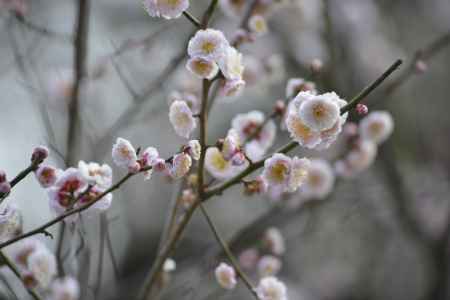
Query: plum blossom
x=209, y=44
x=246, y=125
x=233, y=8
x=190, y=98
x=376, y=126
x=226, y=276
x=40, y=153
x=269, y=265
x=181, y=165
x=66, y=189
x=124, y=154
x=219, y=167
x=232, y=88
x=168, y=9
x=270, y=288
x=202, y=68
x=314, y=121
x=297, y=85
x=320, y=180
x=148, y=158
x=182, y=119
x=96, y=174
x=358, y=159
x=169, y=265
x=42, y=265
x=194, y=149
x=66, y=288
x=47, y=175
x=274, y=241
x=285, y=174
x=231, y=64
x=258, y=24
x=10, y=222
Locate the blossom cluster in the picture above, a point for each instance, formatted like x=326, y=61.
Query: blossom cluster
x=126, y=156
x=267, y=263
x=363, y=141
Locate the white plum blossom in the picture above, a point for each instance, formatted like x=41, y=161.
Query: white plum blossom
x=376, y=126
x=182, y=119
x=258, y=24
x=181, y=165
x=319, y=113
x=42, y=265
x=124, y=154
x=233, y=8
x=66, y=288
x=357, y=160
x=274, y=241
x=148, y=158
x=209, y=44
x=309, y=116
x=284, y=174
x=202, y=68
x=226, y=276
x=270, y=288
x=232, y=88
x=96, y=174
x=297, y=85
x=168, y=9
x=10, y=222
x=231, y=64
x=231, y=144
x=246, y=124
x=190, y=98
x=269, y=265
x=219, y=167
x=195, y=149
x=320, y=180
x=47, y=175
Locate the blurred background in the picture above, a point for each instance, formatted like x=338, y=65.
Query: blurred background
x=382, y=235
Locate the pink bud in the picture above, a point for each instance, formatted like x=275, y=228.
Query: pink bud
x=362, y=109
x=280, y=107
x=40, y=153
x=421, y=66
x=5, y=188
x=2, y=176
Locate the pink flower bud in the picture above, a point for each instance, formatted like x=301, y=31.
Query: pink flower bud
x=280, y=107
x=46, y=176
x=421, y=66
x=362, y=109
x=40, y=153
x=2, y=176
x=5, y=188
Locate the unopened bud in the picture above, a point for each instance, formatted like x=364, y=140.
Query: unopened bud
x=362, y=109
x=188, y=198
x=316, y=66
x=134, y=168
x=159, y=165
x=238, y=159
x=421, y=66
x=280, y=107
x=40, y=153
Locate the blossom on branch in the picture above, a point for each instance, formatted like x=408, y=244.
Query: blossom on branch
x=270, y=288
x=168, y=9
x=226, y=276
x=182, y=119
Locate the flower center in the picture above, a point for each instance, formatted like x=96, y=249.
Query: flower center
x=208, y=47
x=279, y=172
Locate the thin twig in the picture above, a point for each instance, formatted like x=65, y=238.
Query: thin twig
x=228, y=253
x=42, y=30
x=192, y=19
x=16, y=272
